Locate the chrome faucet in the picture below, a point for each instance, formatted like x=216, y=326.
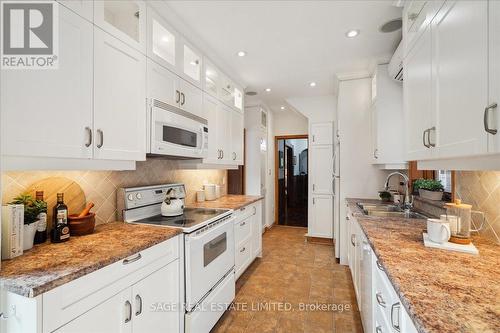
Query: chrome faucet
x=407, y=204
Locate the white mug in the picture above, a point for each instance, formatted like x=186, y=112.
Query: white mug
x=438, y=230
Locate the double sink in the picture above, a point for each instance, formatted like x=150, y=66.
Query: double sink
x=381, y=210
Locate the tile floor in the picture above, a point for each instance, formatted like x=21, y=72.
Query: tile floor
x=290, y=274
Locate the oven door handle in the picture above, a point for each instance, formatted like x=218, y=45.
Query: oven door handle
x=201, y=235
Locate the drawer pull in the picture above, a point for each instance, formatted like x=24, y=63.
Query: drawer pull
x=128, y=306
x=242, y=209
x=378, y=329
x=380, y=299
x=131, y=260
x=396, y=326
x=379, y=266
x=353, y=240
x=242, y=250
x=243, y=223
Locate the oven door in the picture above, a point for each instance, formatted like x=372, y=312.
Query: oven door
x=175, y=132
x=209, y=256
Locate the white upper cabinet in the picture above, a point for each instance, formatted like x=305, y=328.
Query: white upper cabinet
x=191, y=64
x=124, y=19
x=212, y=79
x=84, y=8
x=417, y=15
x=162, y=84
x=119, y=99
x=190, y=98
x=226, y=92
x=237, y=128
x=492, y=112
x=321, y=165
x=322, y=133
x=419, y=111
x=48, y=113
x=238, y=98
x=162, y=41
x=460, y=68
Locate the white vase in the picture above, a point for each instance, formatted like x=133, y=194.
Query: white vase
x=430, y=195
x=29, y=235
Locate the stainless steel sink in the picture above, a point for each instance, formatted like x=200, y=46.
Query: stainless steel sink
x=389, y=210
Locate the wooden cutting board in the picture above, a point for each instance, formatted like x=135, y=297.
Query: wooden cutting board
x=74, y=197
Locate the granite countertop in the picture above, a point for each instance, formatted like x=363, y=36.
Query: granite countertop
x=50, y=265
x=442, y=291
x=230, y=201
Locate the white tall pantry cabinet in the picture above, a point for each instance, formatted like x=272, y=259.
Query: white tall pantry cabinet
x=321, y=180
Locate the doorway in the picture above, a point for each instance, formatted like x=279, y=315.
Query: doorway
x=292, y=180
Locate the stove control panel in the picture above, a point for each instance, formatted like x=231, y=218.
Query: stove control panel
x=135, y=197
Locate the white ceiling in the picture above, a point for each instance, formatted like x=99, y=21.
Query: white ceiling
x=291, y=43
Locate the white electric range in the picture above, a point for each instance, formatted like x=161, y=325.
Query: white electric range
x=208, y=249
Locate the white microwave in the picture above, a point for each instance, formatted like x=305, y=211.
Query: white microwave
x=176, y=133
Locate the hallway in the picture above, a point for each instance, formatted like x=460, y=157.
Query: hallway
x=293, y=273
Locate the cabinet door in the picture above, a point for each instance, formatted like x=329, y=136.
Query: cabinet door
x=322, y=133
x=226, y=91
x=191, y=98
x=417, y=94
x=210, y=113
x=238, y=98
x=84, y=8
x=124, y=19
x=191, y=64
x=162, y=41
x=374, y=133
x=366, y=285
x=119, y=100
x=321, y=166
x=322, y=224
x=460, y=66
x=224, y=133
x=236, y=137
x=493, y=113
x=162, y=84
x=160, y=288
x=212, y=78
x=46, y=112
x=257, y=229
x=113, y=315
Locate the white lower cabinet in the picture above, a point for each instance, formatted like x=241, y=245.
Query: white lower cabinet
x=142, y=293
x=247, y=236
x=321, y=223
x=380, y=307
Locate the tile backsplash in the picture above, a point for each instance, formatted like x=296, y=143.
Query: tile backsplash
x=100, y=186
x=482, y=190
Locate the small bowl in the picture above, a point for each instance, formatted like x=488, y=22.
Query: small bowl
x=79, y=226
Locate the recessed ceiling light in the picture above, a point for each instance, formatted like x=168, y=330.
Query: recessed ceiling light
x=352, y=33
x=312, y=84
x=268, y=89
x=241, y=53
x=282, y=107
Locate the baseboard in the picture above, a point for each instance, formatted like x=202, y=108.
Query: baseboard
x=319, y=240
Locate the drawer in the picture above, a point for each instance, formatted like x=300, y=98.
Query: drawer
x=385, y=298
x=380, y=322
x=243, y=257
x=242, y=230
x=245, y=212
x=70, y=300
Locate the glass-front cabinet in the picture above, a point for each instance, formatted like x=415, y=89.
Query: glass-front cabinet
x=163, y=41
x=238, y=98
x=123, y=19
x=191, y=64
x=212, y=79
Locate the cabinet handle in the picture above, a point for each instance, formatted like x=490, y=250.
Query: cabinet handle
x=314, y=187
x=347, y=218
x=222, y=156
x=254, y=210
x=375, y=154
x=486, y=122
x=138, y=299
x=242, y=223
x=129, y=307
x=242, y=208
x=314, y=201
x=242, y=250
x=177, y=96
x=397, y=326
x=89, y=132
x=433, y=128
x=101, y=136
x=380, y=299
x=131, y=260
x=234, y=156
x=353, y=239
x=423, y=138
x=314, y=138
x=378, y=329
x=379, y=266
x=183, y=99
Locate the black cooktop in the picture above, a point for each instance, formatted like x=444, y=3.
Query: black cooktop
x=190, y=218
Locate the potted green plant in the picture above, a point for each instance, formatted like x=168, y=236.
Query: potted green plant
x=429, y=189
x=32, y=208
x=385, y=196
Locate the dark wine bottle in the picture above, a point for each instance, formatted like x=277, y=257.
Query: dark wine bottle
x=60, y=229
x=41, y=229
